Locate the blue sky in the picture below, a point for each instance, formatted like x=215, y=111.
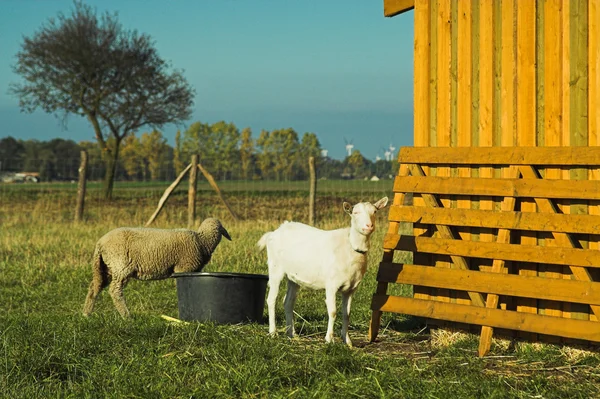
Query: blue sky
x=336, y=68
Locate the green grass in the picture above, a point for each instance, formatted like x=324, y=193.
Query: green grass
x=47, y=349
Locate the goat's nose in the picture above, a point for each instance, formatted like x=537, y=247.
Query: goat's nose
x=369, y=226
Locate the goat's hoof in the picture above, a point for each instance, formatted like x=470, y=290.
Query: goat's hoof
x=329, y=339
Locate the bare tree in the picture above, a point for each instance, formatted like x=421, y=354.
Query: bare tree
x=91, y=66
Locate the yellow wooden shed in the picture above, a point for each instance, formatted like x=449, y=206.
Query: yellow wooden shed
x=505, y=169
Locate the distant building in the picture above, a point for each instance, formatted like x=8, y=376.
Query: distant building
x=20, y=177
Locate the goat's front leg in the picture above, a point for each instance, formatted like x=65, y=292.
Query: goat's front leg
x=346, y=302
x=330, y=301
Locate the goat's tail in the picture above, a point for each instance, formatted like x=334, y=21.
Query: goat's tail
x=262, y=243
x=99, y=281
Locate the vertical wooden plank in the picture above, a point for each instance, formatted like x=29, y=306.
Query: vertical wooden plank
x=540, y=72
x=564, y=206
x=454, y=77
x=497, y=93
x=508, y=120
x=475, y=58
x=444, y=37
x=486, y=99
x=429, y=259
x=422, y=104
x=508, y=124
x=594, y=107
x=475, y=32
x=526, y=122
x=464, y=104
x=454, y=105
x=497, y=110
x=578, y=103
x=552, y=117
x=433, y=78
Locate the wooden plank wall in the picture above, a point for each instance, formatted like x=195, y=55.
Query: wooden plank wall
x=506, y=73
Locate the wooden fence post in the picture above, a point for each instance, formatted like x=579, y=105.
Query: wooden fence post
x=192, y=192
x=312, y=192
x=81, y=187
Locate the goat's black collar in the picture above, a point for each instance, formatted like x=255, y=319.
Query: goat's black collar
x=359, y=251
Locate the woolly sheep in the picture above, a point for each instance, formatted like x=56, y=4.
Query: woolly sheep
x=334, y=260
x=149, y=254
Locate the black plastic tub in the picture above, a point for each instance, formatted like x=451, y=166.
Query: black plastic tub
x=225, y=298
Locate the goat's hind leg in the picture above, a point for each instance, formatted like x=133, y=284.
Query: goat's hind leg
x=288, y=305
x=274, y=281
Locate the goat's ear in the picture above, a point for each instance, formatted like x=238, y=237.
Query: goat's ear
x=347, y=208
x=381, y=203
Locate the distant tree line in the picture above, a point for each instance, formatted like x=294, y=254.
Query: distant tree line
x=226, y=151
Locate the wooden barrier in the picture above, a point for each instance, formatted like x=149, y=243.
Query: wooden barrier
x=523, y=255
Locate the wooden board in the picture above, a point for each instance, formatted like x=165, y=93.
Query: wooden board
x=493, y=250
x=394, y=7
x=564, y=223
x=558, y=156
x=528, y=188
x=500, y=284
x=570, y=328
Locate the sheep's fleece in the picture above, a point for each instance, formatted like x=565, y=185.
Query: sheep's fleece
x=149, y=254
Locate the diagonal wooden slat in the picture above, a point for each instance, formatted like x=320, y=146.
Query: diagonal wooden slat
x=445, y=232
x=388, y=256
x=562, y=239
x=508, y=205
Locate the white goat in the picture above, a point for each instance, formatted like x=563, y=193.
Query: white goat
x=334, y=260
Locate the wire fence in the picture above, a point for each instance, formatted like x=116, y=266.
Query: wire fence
x=54, y=185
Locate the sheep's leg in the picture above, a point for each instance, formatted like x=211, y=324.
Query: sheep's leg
x=288, y=305
x=274, y=281
x=96, y=286
x=99, y=282
x=330, y=301
x=346, y=302
x=116, y=293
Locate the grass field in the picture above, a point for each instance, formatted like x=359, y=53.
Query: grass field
x=48, y=349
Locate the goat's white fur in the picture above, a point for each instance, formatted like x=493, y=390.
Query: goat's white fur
x=334, y=260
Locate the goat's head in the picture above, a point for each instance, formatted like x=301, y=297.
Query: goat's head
x=363, y=215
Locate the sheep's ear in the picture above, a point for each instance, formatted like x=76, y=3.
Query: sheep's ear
x=225, y=234
x=347, y=208
x=381, y=203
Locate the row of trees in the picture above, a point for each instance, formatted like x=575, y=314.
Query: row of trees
x=90, y=65
x=228, y=152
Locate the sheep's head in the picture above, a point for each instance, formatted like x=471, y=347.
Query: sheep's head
x=363, y=215
x=212, y=226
